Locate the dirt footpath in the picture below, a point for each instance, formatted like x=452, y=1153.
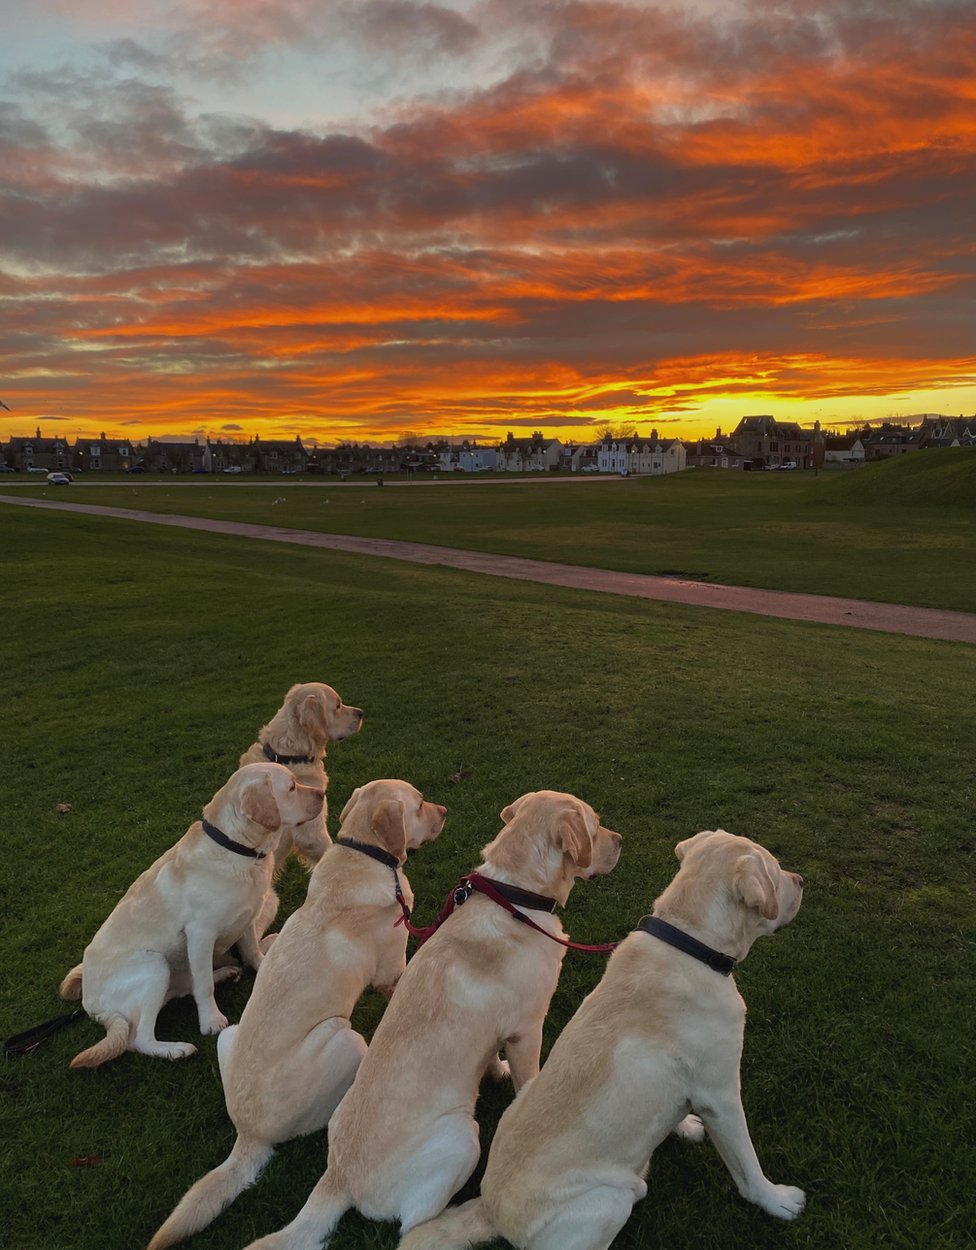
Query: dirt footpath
x=824, y=609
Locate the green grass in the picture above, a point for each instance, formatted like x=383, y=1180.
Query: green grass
x=898, y=532
x=139, y=662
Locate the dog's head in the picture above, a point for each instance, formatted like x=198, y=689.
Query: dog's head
x=391, y=814
x=736, y=883
x=550, y=840
x=320, y=713
x=263, y=795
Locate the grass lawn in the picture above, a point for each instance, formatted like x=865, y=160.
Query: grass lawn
x=900, y=532
x=139, y=662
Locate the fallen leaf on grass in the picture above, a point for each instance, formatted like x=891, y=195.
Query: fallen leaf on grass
x=459, y=776
x=85, y=1161
x=61, y=808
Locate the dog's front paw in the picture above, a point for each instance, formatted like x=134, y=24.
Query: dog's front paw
x=690, y=1129
x=214, y=1022
x=784, y=1201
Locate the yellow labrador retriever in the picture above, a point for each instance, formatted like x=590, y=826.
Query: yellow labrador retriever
x=404, y=1138
x=311, y=717
x=204, y=894
x=287, y=1065
x=659, y=1036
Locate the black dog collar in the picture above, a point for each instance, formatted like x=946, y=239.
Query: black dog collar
x=388, y=861
x=228, y=843
x=374, y=852
x=275, y=758
x=685, y=942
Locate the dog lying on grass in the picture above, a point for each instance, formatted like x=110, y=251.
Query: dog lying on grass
x=211, y=890
x=311, y=717
x=293, y=1056
x=659, y=1036
x=404, y=1138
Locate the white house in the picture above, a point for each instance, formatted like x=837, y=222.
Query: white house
x=647, y=456
x=467, y=458
x=529, y=455
x=658, y=457
x=843, y=450
x=613, y=455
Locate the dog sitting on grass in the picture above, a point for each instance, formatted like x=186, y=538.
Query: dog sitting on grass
x=405, y=1138
x=660, y=1036
x=287, y=1065
x=311, y=717
x=211, y=890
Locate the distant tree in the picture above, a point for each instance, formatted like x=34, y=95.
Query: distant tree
x=615, y=430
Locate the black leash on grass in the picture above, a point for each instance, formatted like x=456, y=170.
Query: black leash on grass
x=24, y=1043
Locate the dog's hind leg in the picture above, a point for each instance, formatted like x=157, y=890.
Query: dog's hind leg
x=327, y=1074
x=154, y=990
x=589, y=1221
x=438, y=1169
x=225, y=1047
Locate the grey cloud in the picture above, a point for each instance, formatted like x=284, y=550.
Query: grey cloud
x=403, y=27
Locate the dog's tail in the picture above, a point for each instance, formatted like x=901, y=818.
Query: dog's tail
x=205, y=1200
x=314, y=1224
x=114, y=1043
x=71, y=985
x=457, y=1228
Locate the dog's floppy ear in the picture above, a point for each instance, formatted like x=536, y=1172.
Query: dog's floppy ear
x=389, y=824
x=574, y=837
x=258, y=804
x=754, y=886
x=313, y=716
x=508, y=813
x=682, y=848
x=350, y=804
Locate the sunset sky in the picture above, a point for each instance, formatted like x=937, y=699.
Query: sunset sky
x=355, y=218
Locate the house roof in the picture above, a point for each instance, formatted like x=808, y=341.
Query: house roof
x=527, y=444
x=18, y=442
x=769, y=427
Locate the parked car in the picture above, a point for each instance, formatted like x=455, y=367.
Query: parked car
x=8, y=468
x=59, y=479
x=789, y=464
x=34, y=468
x=232, y=468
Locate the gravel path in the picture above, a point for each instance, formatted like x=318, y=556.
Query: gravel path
x=825, y=609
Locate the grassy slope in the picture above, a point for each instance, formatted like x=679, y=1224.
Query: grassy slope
x=902, y=532
x=139, y=662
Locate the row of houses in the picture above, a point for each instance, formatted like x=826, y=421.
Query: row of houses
x=889, y=439
x=757, y=442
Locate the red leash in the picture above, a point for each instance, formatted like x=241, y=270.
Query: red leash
x=475, y=883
